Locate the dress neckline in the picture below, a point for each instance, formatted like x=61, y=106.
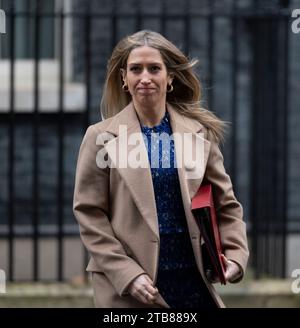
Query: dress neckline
x=159, y=127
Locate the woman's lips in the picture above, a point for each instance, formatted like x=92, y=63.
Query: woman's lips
x=145, y=89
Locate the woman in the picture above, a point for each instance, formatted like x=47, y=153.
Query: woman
x=135, y=219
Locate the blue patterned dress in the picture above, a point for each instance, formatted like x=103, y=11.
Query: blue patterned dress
x=178, y=280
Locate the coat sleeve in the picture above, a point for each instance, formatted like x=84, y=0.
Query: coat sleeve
x=91, y=209
x=228, y=210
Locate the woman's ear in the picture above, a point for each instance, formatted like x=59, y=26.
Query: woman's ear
x=123, y=73
x=171, y=78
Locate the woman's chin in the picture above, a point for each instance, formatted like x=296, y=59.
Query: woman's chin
x=149, y=99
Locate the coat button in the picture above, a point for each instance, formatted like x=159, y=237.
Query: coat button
x=190, y=166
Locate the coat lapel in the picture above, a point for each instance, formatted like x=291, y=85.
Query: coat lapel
x=194, y=150
x=188, y=143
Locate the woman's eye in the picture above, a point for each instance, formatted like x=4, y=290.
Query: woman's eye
x=134, y=68
x=138, y=69
x=155, y=68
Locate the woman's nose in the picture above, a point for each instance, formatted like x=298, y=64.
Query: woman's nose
x=145, y=79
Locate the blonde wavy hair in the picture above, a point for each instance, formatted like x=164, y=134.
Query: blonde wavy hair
x=186, y=96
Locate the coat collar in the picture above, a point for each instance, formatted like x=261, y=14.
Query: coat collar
x=139, y=180
x=128, y=117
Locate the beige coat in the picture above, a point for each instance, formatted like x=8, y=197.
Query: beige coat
x=116, y=211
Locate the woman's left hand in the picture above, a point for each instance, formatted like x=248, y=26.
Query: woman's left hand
x=232, y=269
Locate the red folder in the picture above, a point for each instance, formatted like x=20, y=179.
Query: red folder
x=205, y=215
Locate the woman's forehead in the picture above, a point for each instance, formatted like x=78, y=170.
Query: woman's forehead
x=144, y=54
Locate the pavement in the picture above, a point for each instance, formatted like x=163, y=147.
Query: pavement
x=77, y=293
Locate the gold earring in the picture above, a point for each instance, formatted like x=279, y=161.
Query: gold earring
x=171, y=88
x=125, y=87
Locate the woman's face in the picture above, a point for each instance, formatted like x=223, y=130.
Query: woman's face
x=146, y=76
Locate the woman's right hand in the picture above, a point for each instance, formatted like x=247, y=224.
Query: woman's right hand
x=143, y=290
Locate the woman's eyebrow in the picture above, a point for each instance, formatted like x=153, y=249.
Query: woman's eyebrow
x=154, y=63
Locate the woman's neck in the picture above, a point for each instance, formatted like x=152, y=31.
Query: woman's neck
x=150, y=116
